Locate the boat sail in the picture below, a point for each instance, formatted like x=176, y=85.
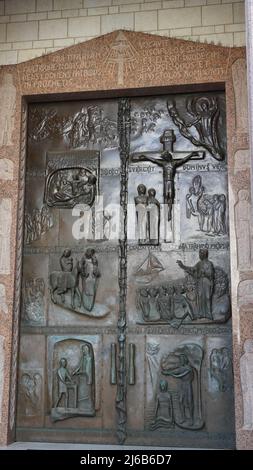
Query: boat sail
x=149, y=269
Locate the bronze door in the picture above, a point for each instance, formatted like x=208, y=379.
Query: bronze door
x=126, y=317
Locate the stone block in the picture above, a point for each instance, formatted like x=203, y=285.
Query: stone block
x=30, y=54
x=98, y=3
x=67, y=4
x=23, y=45
x=97, y=11
x=8, y=57
x=17, y=18
x=43, y=44
x=173, y=4
x=194, y=3
x=180, y=32
x=70, y=13
x=2, y=32
x=22, y=31
x=239, y=12
x=118, y=21
x=119, y=2
x=217, y=14
x=37, y=16
x=13, y=7
x=113, y=10
x=6, y=169
x=7, y=112
x=53, y=15
x=151, y=6
x=146, y=20
x=183, y=18
x=231, y=28
x=203, y=30
x=84, y=26
x=2, y=7
x=129, y=8
x=44, y=5
x=239, y=39
x=52, y=29
x=63, y=42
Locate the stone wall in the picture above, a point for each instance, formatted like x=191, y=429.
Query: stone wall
x=31, y=28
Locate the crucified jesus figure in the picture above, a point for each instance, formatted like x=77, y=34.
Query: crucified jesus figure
x=169, y=164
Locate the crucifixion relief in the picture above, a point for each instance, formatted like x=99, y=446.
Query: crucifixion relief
x=169, y=161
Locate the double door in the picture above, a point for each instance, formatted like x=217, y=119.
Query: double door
x=126, y=316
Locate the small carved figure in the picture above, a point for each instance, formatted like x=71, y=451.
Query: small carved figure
x=33, y=301
x=210, y=210
x=243, y=230
x=246, y=370
x=84, y=372
x=166, y=302
x=178, y=366
x=205, y=112
x=182, y=370
x=30, y=392
x=68, y=278
x=89, y=272
x=221, y=368
x=203, y=272
x=164, y=408
x=153, y=207
x=143, y=303
x=37, y=223
x=221, y=301
x=65, y=383
x=154, y=313
x=141, y=202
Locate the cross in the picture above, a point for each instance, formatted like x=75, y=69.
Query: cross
x=169, y=161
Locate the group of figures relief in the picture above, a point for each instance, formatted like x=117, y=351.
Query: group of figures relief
x=147, y=216
x=75, y=285
x=210, y=210
x=70, y=186
x=74, y=391
x=202, y=296
x=88, y=126
x=79, y=279
x=33, y=301
x=177, y=393
x=37, y=223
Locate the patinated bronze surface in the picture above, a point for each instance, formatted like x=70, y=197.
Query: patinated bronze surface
x=126, y=282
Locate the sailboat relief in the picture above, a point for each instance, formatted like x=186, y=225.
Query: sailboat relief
x=148, y=270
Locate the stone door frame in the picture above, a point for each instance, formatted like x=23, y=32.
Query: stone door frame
x=155, y=63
